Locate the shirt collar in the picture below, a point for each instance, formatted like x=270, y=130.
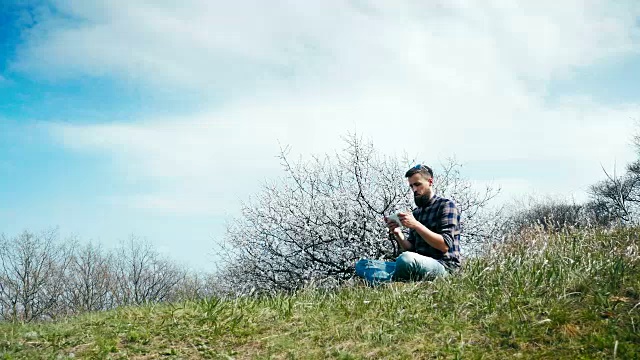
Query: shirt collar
x=432, y=200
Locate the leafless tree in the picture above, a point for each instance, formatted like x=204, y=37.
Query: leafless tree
x=142, y=275
x=89, y=279
x=552, y=214
x=43, y=278
x=193, y=286
x=328, y=212
x=618, y=195
x=32, y=266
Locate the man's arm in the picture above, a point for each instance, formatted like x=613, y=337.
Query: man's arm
x=434, y=239
x=448, y=222
x=402, y=241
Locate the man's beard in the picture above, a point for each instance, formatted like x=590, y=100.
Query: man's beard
x=422, y=200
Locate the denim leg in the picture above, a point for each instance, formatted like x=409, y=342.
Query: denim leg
x=375, y=271
x=413, y=266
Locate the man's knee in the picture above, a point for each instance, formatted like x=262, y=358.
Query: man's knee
x=415, y=266
x=406, y=260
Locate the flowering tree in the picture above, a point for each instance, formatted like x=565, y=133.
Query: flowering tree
x=327, y=213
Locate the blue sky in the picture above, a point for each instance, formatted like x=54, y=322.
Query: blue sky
x=120, y=118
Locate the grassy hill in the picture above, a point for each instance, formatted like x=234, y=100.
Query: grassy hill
x=554, y=296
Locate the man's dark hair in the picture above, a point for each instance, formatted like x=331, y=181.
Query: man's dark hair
x=420, y=169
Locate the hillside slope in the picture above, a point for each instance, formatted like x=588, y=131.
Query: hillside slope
x=573, y=295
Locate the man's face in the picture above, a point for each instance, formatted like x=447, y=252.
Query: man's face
x=422, y=188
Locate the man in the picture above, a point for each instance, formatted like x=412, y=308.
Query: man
x=432, y=248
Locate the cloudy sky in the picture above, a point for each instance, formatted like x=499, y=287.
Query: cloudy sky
x=156, y=118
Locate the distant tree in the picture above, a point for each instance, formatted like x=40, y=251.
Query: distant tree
x=142, y=275
x=89, y=279
x=553, y=214
x=600, y=214
x=195, y=286
x=619, y=196
x=327, y=213
x=31, y=275
x=44, y=278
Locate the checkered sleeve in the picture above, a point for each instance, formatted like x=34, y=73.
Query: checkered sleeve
x=448, y=222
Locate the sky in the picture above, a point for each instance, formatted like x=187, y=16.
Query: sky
x=159, y=118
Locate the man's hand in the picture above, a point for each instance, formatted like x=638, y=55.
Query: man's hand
x=408, y=220
x=394, y=227
x=396, y=230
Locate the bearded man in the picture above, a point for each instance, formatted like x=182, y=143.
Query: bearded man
x=432, y=247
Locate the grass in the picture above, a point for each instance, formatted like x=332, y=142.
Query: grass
x=545, y=296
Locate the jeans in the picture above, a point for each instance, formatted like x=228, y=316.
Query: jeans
x=408, y=266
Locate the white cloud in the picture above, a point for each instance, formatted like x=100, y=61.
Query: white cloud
x=433, y=78
x=213, y=161
x=200, y=43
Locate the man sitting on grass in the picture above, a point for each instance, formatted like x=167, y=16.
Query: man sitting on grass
x=432, y=248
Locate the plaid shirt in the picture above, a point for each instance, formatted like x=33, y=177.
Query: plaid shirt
x=440, y=216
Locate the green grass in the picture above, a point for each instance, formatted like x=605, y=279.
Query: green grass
x=568, y=296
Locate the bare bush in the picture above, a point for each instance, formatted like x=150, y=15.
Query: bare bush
x=327, y=213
